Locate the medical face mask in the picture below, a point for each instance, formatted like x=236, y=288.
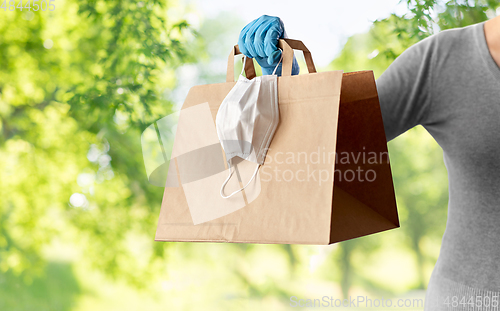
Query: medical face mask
x=246, y=121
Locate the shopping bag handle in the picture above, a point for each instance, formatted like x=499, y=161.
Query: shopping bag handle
x=249, y=67
x=287, y=46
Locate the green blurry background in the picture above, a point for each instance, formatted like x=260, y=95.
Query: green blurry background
x=78, y=85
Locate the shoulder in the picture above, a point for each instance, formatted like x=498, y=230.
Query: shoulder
x=456, y=39
x=447, y=44
x=454, y=34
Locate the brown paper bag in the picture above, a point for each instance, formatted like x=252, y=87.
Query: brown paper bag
x=326, y=177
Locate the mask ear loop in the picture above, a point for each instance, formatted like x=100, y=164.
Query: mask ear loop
x=244, y=64
x=229, y=177
x=276, y=68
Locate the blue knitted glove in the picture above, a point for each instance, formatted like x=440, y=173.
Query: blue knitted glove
x=259, y=40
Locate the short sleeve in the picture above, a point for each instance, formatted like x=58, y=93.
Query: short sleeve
x=405, y=88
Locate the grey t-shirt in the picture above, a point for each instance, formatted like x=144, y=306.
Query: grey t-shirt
x=450, y=84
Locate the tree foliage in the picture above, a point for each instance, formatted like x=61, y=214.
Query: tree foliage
x=77, y=86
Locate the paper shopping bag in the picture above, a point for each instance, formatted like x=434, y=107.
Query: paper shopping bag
x=326, y=177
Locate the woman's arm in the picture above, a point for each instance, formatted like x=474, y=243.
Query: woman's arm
x=405, y=88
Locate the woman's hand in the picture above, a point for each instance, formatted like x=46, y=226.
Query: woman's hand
x=259, y=40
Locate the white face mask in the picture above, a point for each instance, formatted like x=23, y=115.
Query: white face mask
x=247, y=119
